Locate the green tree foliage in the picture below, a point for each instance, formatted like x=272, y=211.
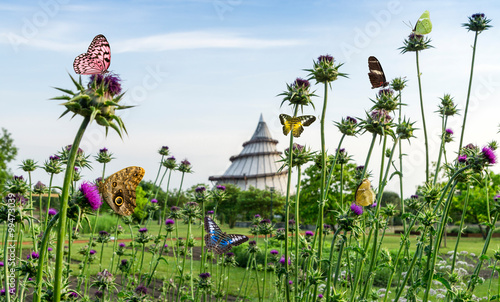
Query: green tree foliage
x=477, y=210
x=228, y=210
x=141, y=203
x=310, y=191
x=256, y=201
x=8, y=153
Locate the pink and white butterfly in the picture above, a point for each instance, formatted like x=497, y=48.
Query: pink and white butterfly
x=97, y=58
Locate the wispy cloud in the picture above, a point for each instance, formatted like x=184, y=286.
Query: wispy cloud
x=163, y=42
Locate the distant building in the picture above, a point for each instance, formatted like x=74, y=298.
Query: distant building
x=256, y=165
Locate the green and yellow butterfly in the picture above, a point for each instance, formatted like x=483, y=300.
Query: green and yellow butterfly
x=424, y=25
x=364, y=195
x=295, y=124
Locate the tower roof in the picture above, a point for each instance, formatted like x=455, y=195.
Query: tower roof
x=256, y=165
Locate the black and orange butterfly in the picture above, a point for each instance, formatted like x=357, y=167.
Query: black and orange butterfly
x=218, y=241
x=376, y=74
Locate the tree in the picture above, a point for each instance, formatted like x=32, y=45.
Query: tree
x=8, y=153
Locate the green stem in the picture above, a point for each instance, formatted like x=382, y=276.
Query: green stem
x=441, y=149
x=180, y=190
x=323, y=177
x=58, y=274
x=48, y=202
x=468, y=91
x=115, y=243
x=297, y=219
x=6, y=266
x=330, y=260
x=368, y=156
x=423, y=121
x=460, y=228
x=159, y=169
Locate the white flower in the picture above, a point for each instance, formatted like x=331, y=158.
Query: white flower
x=464, y=253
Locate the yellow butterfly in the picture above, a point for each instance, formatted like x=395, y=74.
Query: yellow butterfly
x=364, y=194
x=295, y=124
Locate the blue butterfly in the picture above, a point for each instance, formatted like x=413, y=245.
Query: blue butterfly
x=218, y=241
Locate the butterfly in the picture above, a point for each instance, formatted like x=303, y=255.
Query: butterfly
x=423, y=25
x=364, y=194
x=218, y=241
x=118, y=190
x=97, y=58
x=376, y=74
x=295, y=124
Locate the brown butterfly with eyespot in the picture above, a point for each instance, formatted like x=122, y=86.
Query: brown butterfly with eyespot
x=118, y=190
x=376, y=74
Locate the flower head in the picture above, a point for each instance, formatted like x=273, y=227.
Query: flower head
x=143, y=230
x=298, y=93
x=154, y=200
x=169, y=163
x=489, y=155
x=415, y=42
x=205, y=275
x=39, y=187
x=185, y=167
x=121, y=244
x=141, y=290
x=356, y=209
x=92, y=252
x=477, y=22
x=274, y=252
x=221, y=188
x=52, y=212
x=324, y=70
x=210, y=212
x=164, y=151
x=35, y=255
x=91, y=194
x=309, y=233
x=111, y=83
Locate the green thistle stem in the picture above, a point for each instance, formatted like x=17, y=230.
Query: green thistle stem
x=115, y=243
x=330, y=260
x=297, y=212
x=323, y=177
x=6, y=268
x=468, y=91
x=423, y=120
x=441, y=149
x=164, y=213
x=460, y=228
x=400, y=153
x=159, y=169
x=180, y=190
x=48, y=202
x=368, y=156
x=64, y=210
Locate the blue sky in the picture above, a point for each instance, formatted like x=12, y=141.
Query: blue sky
x=201, y=72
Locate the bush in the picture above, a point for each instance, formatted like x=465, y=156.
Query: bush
x=105, y=223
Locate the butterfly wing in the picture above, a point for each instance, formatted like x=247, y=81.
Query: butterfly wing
x=218, y=241
x=298, y=124
x=364, y=194
x=376, y=74
x=285, y=120
x=424, y=24
x=97, y=58
x=118, y=190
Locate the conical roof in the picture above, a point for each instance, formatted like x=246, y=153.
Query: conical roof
x=257, y=164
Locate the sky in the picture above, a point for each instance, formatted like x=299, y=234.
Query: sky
x=200, y=73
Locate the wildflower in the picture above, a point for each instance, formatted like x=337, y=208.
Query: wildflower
x=98, y=294
x=282, y=260
x=49, y=249
x=386, y=100
x=309, y=234
x=205, y=275
x=103, y=156
x=274, y=252
x=477, y=22
x=414, y=196
x=462, y=159
x=257, y=216
x=35, y=255
x=415, y=43
x=169, y=163
x=28, y=165
x=405, y=129
x=398, y=84
x=39, y=188
x=378, y=121
x=356, y=209
x=154, y=200
x=164, y=151
x=91, y=194
x=185, y=167
x=141, y=290
x=200, y=189
x=111, y=82
x=143, y=230
x=348, y=126
x=199, y=194
x=169, y=221
x=92, y=252
x=324, y=70
x=73, y=295
x=448, y=135
x=210, y=212
x=489, y=155
x=298, y=93
x=221, y=188
x=342, y=157
x=300, y=155
x=121, y=244
x=447, y=106
x=52, y=212
x=327, y=229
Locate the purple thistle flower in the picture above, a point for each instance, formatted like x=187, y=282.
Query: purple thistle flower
x=50, y=249
x=91, y=193
x=221, y=188
x=351, y=120
x=54, y=158
x=76, y=169
x=325, y=58
x=154, y=200
x=52, y=212
x=98, y=294
x=121, y=244
x=124, y=261
x=103, y=233
x=2, y=292
x=274, y=252
x=171, y=158
x=282, y=260
x=327, y=226
x=35, y=255
x=489, y=155
x=186, y=162
x=165, y=246
x=141, y=290
x=205, y=276
x=103, y=150
x=360, y=168
x=200, y=189
x=174, y=209
x=169, y=221
x=414, y=196
x=374, y=205
x=92, y=252
x=252, y=243
x=1, y=264
x=290, y=282
x=309, y=233
x=496, y=198
x=449, y=131
x=111, y=82
x=18, y=177
x=291, y=222
x=73, y=295
x=358, y=210
x=265, y=221
x=143, y=230
x=210, y=212
x=462, y=159
x=256, y=216
x=229, y=254
x=320, y=296
x=301, y=83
